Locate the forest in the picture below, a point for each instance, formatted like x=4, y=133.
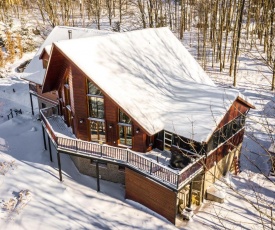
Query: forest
x=221, y=28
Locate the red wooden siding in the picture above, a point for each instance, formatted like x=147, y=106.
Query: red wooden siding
x=111, y=118
x=139, y=139
x=50, y=96
x=151, y=194
x=79, y=105
x=224, y=149
x=58, y=66
x=236, y=109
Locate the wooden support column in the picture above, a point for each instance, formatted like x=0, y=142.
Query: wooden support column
x=31, y=103
x=59, y=166
x=203, y=186
x=50, y=149
x=190, y=194
x=44, y=138
x=97, y=177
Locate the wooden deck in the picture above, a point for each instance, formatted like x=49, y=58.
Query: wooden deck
x=65, y=141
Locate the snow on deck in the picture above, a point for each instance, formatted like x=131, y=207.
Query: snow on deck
x=162, y=157
x=59, y=127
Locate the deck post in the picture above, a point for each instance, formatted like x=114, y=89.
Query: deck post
x=50, y=149
x=59, y=166
x=127, y=156
x=203, y=184
x=178, y=180
x=190, y=194
x=97, y=177
x=31, y=103
x=44, y=138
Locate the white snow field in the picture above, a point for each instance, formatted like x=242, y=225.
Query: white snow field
x=47, y=203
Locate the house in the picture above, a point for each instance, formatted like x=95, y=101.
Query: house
x=35, y=70
x=136, y=108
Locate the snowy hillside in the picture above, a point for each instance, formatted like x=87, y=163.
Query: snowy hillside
x=32, y=197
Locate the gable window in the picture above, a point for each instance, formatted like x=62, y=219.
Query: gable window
x=125, y=129
x=96, y=113
x=93, y=90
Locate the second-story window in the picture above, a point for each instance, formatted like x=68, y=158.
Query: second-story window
x=125, y=129
x=96, y=112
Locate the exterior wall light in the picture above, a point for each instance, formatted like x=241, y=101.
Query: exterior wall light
x=138, y=130
x=81, y=121
x=110, y=126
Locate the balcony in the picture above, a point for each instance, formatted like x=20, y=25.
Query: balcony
x=65, y=142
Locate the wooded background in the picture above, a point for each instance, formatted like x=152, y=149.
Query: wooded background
x=220, y=27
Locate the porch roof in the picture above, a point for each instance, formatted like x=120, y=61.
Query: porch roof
x=34, y=72
x=154, y=79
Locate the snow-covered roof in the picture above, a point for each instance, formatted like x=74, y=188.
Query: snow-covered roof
x=154, y=79
x=34, y=72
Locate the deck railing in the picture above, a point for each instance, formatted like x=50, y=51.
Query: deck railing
x=49, y=112
x=153, y=169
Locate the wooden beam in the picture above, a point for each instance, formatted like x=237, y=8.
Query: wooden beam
x=97, y=177
x=31, y=103
x=190, y=194
x=50, y=149
x=44, y=138
x=59, y=166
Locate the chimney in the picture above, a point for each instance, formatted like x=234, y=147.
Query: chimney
x=70, y=34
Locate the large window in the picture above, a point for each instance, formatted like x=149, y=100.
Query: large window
x=188, y=144
x=123, y=118
x=226, y=132
x=125, y=129
x=97, y=131
x=96, y=112
x=96, y=107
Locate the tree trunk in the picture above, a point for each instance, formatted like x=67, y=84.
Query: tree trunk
x=238, y=41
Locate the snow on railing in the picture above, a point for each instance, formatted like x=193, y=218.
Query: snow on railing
x=45, y=113
x=133, y=159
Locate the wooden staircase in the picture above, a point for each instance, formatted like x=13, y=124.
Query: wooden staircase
x=235, y=167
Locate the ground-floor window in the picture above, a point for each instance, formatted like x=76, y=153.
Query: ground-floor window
x=98, y=131
x=125, y=135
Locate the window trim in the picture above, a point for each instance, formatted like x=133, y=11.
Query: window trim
x=124, y=124
x=95, y=95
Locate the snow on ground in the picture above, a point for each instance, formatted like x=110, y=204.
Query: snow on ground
x=235, y=213
x=26, y=166
x=253, y=80
x=71, y=204
x=75, y=204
